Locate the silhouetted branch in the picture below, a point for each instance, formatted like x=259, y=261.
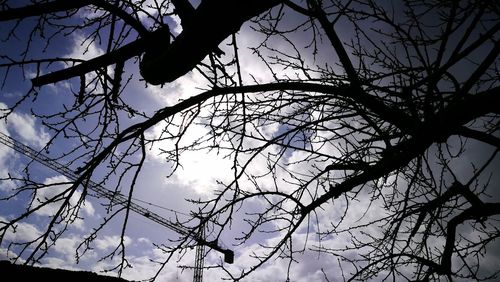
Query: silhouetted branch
x=121, y=54
x=62, y=5
x=363, y=130
x=213, y=21
x=480, y=136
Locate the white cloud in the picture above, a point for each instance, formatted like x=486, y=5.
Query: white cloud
x=66, y=246
x=90, y=13
x=143, y=267
x=46, y=193
x=82, y=49
x=23, y=231
x=199, y=172
x=109, y=242
x=144, y=240
x=201, y=169
x=306, y=267
x=58, y=263
x=6, y=155
x=25, y=126
x=6, y=254
x=178, y=27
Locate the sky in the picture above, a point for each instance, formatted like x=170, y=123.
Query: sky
x=196, y=179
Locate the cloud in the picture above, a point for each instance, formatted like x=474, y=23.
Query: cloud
x=143, y=267
x=82, y=49
x=6, y=254
x=200, y=168
x=63, y=254
x=199, y=172
x=44, y=194
x=6, y=155
x=109, y=242
x=67, y=246
x=23, y=231
x=26, y=127
x=177, y=24
x=307, y=265
x=58, y=263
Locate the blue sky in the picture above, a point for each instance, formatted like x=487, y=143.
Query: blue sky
x=195, y=179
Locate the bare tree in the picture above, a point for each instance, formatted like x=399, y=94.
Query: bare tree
x=362, y=100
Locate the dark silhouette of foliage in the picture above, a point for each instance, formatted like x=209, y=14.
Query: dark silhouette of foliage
x=374, y=102
x=30, y=273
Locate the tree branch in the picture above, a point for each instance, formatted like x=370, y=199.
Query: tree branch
x=65, y=5
x=444, y=124
x=336, y=43
x=135, y=48
x=478, y=135
x=476, y=212
x=213, y=21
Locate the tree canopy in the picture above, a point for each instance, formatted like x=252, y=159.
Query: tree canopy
x=366, y=132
